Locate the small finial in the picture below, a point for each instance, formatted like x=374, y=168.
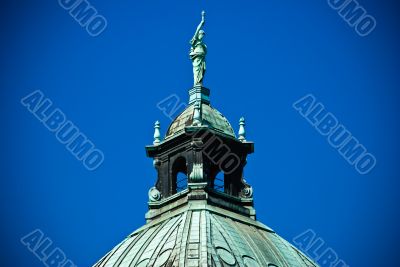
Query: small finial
x=242, y=131
x=157, y=134
x=197, y=114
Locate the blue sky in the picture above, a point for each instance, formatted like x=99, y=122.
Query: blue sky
x=262, y=57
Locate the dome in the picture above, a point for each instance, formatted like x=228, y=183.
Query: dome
x=204, y=236
x=211, y=118
x=201, y=208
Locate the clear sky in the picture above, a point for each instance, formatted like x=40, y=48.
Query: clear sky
x=262, y=57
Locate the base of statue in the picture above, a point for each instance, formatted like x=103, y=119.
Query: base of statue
x=199, y=93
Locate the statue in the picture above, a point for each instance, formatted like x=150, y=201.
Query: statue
x=198, y=53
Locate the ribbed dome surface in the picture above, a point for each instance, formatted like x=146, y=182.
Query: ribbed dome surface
x=204, y=236
x=210, y=117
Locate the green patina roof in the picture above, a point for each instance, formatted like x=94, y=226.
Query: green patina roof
x=204, y=235
x=210, y=117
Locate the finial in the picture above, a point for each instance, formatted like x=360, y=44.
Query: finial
x=197, y=114
x=156, y=133
x=242, y=131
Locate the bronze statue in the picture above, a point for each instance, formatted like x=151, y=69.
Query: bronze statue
x=198, y=53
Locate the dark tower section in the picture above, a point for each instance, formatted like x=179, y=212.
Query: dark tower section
x=200, y=146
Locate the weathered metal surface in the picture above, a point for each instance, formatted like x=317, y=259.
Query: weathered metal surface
x=210, y=117
x=200, y=237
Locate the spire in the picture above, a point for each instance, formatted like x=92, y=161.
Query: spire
x=242, y=131
x=157, y=134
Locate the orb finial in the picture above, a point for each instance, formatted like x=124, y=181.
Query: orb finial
x=242, y=131
x=157, y=134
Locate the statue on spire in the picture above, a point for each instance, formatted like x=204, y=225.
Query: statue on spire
x=198, y=53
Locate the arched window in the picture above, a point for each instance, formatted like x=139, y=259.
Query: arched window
x=219, y=182
x=179, y=175
x=181, y=181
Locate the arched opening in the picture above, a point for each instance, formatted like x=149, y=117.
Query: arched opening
x=217, y=179
x=181, y=181
x=179, y=175
x=219, y=182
